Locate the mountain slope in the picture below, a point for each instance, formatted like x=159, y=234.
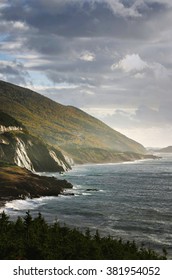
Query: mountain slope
x=166, y=150
x=64, y=127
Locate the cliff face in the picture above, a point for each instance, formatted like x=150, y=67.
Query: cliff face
x=19, y=147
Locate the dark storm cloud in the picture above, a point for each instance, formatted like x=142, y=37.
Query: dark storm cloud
x=84, y=18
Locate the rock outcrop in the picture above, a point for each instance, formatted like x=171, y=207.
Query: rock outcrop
x=19, y=183
x=17, y=146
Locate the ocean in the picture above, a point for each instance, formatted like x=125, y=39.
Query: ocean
x=130, y=200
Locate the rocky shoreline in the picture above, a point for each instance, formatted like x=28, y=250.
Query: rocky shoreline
x=20, y=183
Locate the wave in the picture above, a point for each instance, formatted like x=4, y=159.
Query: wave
x=17, y=205
x=77, y=187
x=156, y=239
x=110, y=163
x=31, y=204
x=27, y=204
x=62, y=196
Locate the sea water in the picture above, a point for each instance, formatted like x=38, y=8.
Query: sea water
x=129, y=200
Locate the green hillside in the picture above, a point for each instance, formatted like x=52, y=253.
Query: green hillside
x=65, y=127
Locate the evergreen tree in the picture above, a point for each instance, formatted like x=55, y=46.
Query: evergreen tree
x=29, y=238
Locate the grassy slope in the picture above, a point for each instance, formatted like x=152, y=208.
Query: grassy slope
x=61, y=126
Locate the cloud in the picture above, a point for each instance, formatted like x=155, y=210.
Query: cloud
x=95, y=17
x=20, y=26
x=139, y=75
x=141, y=69
x=13, y=71
x=106, y=54
x=86, y=91
x=130, y=63
x=148, y=125
x=119, y=8
x=160, y=71
x=87, y=56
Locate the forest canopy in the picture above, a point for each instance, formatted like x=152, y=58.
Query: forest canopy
x=33, y=238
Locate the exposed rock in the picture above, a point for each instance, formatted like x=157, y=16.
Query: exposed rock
x=19, y=147
x=9, y=128
x=19, y=183
x=21, y=158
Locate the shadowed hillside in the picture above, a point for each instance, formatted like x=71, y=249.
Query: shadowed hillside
x=76, y=133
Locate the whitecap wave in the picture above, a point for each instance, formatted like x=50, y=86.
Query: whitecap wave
x=27, y=204
x=77, y=187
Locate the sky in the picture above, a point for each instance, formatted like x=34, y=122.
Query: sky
x=110, y=58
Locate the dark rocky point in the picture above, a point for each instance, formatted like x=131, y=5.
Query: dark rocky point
x=19, y=183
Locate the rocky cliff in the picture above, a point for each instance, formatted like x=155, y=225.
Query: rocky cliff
x=19, y=147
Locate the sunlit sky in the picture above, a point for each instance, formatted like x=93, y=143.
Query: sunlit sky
x=110, y=58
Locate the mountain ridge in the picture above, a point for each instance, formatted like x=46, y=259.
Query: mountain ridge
x=64, y=127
